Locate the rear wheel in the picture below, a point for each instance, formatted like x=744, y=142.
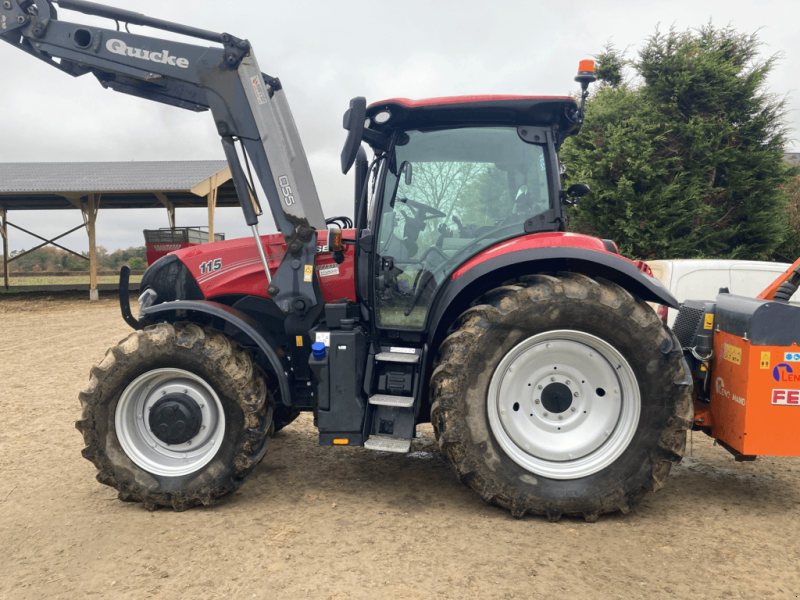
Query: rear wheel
x=175, y=416
x=561, y=395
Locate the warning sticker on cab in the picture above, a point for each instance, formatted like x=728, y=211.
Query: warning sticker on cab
x=328, y=270
x=765, y=360
x=708, y=322
x=733, y=354
x=308, y=273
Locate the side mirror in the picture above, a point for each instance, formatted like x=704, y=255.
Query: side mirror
x=353, y=122
x=575, y=192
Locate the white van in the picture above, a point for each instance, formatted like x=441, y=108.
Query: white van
x=701, y=279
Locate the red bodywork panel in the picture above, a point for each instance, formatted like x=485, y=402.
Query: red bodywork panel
x=445, y=100
x=240, y=270
x=541, y=240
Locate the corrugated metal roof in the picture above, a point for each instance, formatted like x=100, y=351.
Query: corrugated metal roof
x=162, y=176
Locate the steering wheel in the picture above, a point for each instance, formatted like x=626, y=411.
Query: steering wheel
x=423, y=211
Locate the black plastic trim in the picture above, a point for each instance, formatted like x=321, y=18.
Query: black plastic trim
x=455, y=295
x=124, y=299
x=235, y=318
x=171, y=280
x=763, y=322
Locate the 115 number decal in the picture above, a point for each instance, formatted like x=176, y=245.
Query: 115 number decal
x=210, y=266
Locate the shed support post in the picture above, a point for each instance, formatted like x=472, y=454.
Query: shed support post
x=4, y=233
x=89, y=210
x=169, y=206
x=212, y=205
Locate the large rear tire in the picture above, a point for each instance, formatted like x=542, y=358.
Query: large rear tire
x=561, y=396
x=176, y=416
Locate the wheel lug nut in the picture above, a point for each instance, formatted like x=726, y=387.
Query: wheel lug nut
x=560, y=417
x=536, y=401
x=576, y=395
x=573, y=409
x=568, y=382
x=552, y=379
x=546, y=414
x=539, y=386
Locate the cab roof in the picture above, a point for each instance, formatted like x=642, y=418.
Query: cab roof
x=455, y=111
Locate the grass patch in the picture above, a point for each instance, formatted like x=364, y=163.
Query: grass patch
x=73, y=280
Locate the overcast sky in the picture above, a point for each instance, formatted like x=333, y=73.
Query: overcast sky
x=327, y=52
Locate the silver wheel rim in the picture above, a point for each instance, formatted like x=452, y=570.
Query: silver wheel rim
x=591, y=432
x=149, y=452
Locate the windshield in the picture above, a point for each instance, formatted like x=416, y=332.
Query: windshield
x=467, y=189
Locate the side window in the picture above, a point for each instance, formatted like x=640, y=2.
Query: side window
x=462, y=190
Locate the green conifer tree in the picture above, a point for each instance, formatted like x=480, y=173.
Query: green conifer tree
x=686, y=159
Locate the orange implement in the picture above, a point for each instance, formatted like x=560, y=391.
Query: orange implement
x=769, y=293
x=755, y=396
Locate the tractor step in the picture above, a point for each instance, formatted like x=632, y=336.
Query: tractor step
x=387, y=444
x=396, y=401
x=399, y=357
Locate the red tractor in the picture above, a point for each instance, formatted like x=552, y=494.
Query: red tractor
x=455, y=296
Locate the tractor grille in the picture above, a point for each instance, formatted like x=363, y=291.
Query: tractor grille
x=686, y=324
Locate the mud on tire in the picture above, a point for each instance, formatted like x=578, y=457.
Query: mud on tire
x=216, y=363
x=501, y=322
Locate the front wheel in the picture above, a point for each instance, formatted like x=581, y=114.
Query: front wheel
x=176, y=416
x=561, y=395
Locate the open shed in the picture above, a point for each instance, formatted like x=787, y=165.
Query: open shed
x=88, y=187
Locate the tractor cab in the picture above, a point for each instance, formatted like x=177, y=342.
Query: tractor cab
x=457, y=176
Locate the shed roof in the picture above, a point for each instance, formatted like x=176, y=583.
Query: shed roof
x=47, y=186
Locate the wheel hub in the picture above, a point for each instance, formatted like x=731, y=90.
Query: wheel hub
x=170, y=422
x=563, y=404
x=556, y=398
x=175, y=418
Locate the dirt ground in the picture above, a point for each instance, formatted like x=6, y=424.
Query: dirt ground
x=339, y=523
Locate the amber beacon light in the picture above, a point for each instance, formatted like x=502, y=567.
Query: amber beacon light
x=585, y=73
x=585, y=76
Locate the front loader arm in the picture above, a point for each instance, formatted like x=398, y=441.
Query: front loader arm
x=246, y=105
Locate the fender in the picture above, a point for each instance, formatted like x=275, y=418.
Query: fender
x=232, y=322
x=477, y=276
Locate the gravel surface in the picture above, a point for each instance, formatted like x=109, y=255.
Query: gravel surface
x=346, y=523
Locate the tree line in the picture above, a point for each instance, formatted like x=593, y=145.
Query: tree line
x=54, y=260
x=683, y=148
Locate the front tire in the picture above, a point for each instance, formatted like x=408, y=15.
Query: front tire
x=561, y=395
x=176, y=415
